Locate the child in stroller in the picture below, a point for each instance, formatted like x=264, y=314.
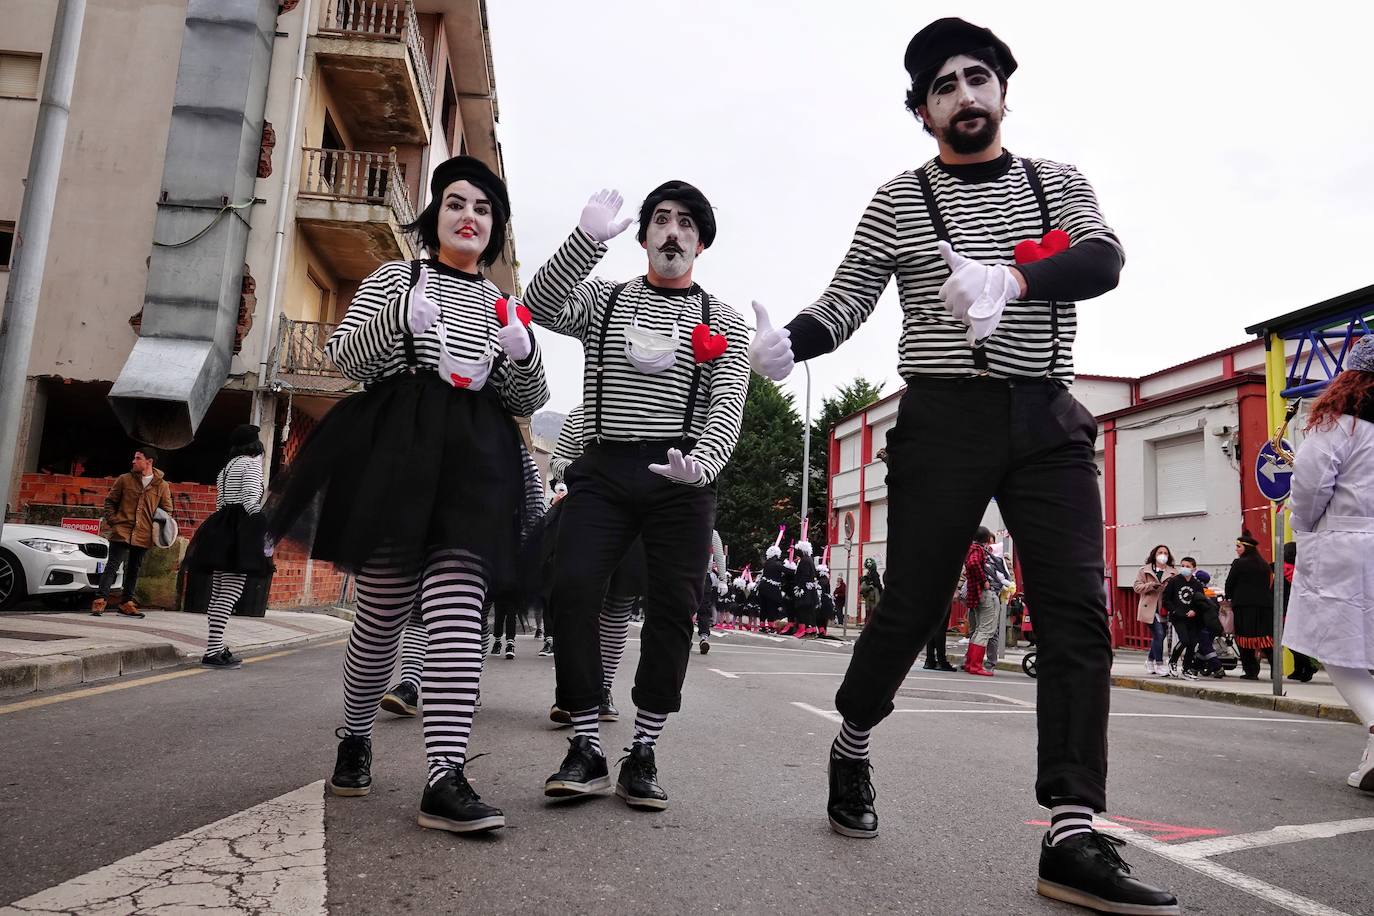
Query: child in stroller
x=1216, y=651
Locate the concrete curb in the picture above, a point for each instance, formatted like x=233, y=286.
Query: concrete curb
x=22, y=676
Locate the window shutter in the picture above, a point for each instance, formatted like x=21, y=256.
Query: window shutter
x=19, y=75
x=1180, y=478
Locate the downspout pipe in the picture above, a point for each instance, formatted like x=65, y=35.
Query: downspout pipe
x=284, y=208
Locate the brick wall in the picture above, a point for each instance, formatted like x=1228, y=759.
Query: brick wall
x=45, y=498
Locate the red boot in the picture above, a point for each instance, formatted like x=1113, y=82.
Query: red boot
x=801, y=632
x=973, y=663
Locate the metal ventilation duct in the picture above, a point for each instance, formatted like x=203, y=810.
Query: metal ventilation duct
x=191, y=305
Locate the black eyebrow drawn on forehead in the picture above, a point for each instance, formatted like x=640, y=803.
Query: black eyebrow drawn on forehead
x=454, y=195
x=975, y=70
x=669, y=213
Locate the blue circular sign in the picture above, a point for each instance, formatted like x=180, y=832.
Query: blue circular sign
x=1273, y=474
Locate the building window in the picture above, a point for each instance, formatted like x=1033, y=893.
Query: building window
x=880, y=432
x=19, y=75
x=6, y=244
x=1180, y=475
x=850, y=452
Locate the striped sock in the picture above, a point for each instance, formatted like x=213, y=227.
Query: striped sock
x=1069, y=820
x=414, y=643
x=453, y=589
x=615, y=630
x=852, y=742
x=587, y=722
x=648, y=726
x=225, y=589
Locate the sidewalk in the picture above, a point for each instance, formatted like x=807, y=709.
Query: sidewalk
x=43, y=651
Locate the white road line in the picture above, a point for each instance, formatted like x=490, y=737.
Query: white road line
x=724, y=673
x=269, y=857
x=1293, y=903
x=1127, y=715
x=831, y=716
x=1284, y=833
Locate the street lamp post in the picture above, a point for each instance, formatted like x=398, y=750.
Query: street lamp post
x=806, y=449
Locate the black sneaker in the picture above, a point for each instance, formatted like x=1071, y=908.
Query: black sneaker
x=547, y=649
x=451, y=804
x=1086, y=869
x=353, y=767
x=538, y=633
x=561, y=716
x=223, y=659
x=403, y=700
x=638, y=783
x=510, y=648
x=704, y=645
x=851, y=797
x=607, y=712
x=583, y=771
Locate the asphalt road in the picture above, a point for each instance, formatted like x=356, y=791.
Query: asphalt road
x=98, y=776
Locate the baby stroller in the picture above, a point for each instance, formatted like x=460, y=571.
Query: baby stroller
x=1017, y=604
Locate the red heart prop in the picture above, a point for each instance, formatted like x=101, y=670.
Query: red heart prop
x=459, y=381
x=520, y=312
x=1055, y=241
x=706, y=346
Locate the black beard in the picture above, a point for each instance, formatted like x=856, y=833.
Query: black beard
x=965, y=143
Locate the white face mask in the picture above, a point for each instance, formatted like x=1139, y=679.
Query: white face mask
x=1187, y=572
x=648, y=352
x=672, y=239
x=462, y=373
x=1161, y=559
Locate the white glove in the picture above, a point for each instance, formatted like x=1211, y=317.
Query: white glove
x=770, y=352
x=514, y=337
x=680, y=467
x=976, y=294
x=423, y=311
x=721, y=589
x=598, y=217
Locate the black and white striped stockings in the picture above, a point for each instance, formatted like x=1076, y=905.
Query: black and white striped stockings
x=225, y=589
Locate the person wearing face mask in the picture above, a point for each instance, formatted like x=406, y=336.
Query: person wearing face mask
x=1184, y=603
x=990, y=251
x=666, y=373
x=1150, y=581
x=416, y=483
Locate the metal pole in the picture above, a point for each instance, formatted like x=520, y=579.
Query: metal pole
x=806, y=449
x=34, y=230
x=1276, y=663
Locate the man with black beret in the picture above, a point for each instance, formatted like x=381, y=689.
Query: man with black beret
x=663, y=396
x=990, y=252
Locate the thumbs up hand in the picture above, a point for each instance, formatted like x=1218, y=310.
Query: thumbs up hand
x=770, y=352
x=976, y=293
x=514, y=337
x=423, y=310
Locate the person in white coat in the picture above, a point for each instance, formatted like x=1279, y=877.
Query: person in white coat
x=1331, y=612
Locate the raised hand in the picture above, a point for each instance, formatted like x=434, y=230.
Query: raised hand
x=423, y=311
x=598, y=217
x=770, y=352
x=976, y=293
x=514, y=337
x=680, y=467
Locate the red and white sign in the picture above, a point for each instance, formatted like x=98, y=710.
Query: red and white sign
x=86, y=525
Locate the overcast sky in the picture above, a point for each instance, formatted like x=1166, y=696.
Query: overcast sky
x=1230, y=149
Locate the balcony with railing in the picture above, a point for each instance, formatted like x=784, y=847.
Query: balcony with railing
x=373, y=56
x=300, y=363
x=352, y=205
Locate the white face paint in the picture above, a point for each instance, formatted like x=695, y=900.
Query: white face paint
x=465, y=219
x=672, y=240
x=963, y=83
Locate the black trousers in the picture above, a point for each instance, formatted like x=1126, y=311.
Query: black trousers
x=706, y=610
x=613, y=498
x=957, y=444
x=121, y=552
x=507, y=616
x=935, y=649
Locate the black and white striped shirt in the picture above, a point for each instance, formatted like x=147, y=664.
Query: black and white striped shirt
x=368, y=344
x=568, y=448
x=985, y=220
x=534, y=492
x=240, y=484
x=635, y=406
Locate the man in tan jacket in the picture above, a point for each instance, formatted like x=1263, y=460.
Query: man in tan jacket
x=128, y=523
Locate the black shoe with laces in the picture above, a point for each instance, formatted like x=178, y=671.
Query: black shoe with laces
x=1087, y=870
x=223, y=659
x=607, y=712
x=705, y=645
x=353, y=767
x=510, y=648
x=547, y=649
x=583, y=771
x=638, y=782
x=403, y=700
x=851, y=797
x=452, y=804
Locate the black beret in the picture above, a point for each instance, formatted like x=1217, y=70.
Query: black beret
x=468, y=168
x=949, y=37
x=243, y=434
x=696, y=203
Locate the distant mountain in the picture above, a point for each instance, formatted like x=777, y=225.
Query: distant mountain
x=545, y=427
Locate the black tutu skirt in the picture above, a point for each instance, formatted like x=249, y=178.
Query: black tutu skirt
x=231, y=540
x=410, y=465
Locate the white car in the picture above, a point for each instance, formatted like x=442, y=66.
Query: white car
x=42, y=561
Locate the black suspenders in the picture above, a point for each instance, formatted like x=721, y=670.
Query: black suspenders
x=600, y=367
x=408, y=340
x=937, y=223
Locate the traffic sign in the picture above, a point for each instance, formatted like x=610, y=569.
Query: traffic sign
x=849, y=526
x=1273, y=474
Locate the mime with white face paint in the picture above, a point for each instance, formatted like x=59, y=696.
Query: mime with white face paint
x=990, y=252
x=663, y=396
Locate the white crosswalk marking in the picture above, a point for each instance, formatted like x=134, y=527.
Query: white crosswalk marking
x=268, y=858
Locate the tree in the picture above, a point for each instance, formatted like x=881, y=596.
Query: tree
x=850, y=398
x=761, y=486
